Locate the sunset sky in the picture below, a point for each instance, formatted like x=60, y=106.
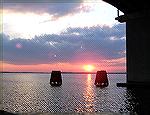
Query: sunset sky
x=66, y=36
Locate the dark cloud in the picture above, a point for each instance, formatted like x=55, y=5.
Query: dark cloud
x=73, y=45
x=40, y=1
x=56, y=8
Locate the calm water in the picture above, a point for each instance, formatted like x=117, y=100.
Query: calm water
x=32, y=93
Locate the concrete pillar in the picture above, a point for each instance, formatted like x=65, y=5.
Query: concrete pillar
x=138, y=49
x=137, y=46
x=101, y=79
x=56, y=78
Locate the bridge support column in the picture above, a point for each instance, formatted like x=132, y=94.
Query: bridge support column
x=137, y=48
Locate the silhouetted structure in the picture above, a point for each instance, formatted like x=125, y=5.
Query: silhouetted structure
x=56, y=79
x=101, y=79
x=137, y=18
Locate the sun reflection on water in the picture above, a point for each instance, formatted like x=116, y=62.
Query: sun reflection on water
x=89, y=95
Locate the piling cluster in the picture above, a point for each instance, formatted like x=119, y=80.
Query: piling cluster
x=101, y=79
x=56, y=78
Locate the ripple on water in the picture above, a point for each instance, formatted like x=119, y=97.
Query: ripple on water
x=33, y=93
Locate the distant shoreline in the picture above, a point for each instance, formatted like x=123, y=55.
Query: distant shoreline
x=68, y=72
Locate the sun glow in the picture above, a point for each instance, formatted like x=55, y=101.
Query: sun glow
x=27, y=25
x=88, y=68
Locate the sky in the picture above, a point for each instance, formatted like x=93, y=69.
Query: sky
x=66, y=36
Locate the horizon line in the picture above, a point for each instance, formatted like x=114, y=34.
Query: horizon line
x=67, y=72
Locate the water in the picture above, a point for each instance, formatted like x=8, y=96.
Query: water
x=24, y=92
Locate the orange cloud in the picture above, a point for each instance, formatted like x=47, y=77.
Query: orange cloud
x=116, y=65
x=41, y=67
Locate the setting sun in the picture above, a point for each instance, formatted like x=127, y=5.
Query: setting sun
x=88, y=68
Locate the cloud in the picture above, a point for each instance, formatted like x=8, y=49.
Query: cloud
x=74, y=45
x=56, y=8
x=40, y=1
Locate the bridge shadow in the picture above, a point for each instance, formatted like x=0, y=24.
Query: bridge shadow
x=139, y=100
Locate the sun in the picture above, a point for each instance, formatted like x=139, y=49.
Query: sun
x=88, y=68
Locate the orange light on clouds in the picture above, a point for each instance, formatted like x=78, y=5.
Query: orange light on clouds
x=41, y=67
x=88, y=68
x=114, y=65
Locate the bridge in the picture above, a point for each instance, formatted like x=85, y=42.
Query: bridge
x=137, y=18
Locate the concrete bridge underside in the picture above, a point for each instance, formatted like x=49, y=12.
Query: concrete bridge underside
x=137, y=18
